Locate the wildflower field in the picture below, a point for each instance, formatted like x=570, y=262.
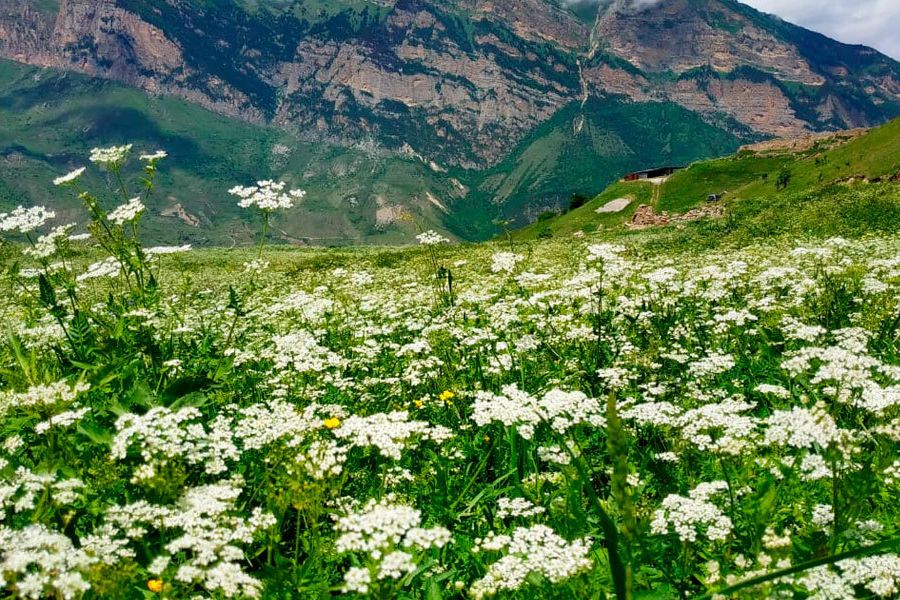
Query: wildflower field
x=577, y=418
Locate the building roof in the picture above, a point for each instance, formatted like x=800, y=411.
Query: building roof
x=653, y=170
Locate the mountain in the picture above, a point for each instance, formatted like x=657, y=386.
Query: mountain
x=845, y=183
x=458, y=111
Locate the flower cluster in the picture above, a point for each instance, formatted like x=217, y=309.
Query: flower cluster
x=392, y=539
x=37, y=562
x=111, y=158
x=267, y=196
x=163, y=436
x=25, y=220
x=693, y=515
x=558, y=409
x=127, y=212
x=505, y=262
x=536, y=549
x=70, y=177
x=389, y=432
x=431, y=238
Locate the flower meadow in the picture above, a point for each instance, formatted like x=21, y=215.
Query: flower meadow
x=568, y=419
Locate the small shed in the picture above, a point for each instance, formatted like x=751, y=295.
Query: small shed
x=656, y=173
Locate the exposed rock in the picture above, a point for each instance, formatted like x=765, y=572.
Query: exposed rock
x=95, y=37
x=433, y=199
x=761, y=106
x=681, y=35
x=179, y=212
x=387, y=214
x=614, y=206
x=646, y=216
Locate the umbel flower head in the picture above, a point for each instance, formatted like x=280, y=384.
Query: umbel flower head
x=112, y=157
x=155, y=157
x=267, y=195
x=127, y=212
x=431, y=238
x=70, y=177
x=25, y=220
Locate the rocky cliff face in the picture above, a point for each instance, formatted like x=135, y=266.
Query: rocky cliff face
x=775, y=78
x=99, y=38
x=459, y=81
x=455, y=111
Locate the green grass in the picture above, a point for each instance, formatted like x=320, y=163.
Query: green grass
x=655, y=419
x=587, y=220
x=872, y=156
x=686, y=189
x=856, y=211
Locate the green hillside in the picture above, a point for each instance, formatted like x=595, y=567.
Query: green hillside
x=49, y=121
x=366, y=194
x=838, y=184
x=613, y=137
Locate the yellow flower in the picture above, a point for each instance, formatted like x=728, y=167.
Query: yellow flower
x=332, y=423
x=155, y=585
x=446, y=396
x=419, y=403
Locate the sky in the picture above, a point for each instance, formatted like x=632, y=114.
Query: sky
x=874, y=23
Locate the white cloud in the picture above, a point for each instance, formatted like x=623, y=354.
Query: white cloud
x=870, y=22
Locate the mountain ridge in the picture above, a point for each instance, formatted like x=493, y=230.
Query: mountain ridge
x=459, y=75
x=461, y=86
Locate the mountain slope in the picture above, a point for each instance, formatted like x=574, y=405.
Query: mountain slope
x=772, y=76
x=472, y=90
x=842, y=183
x=49, y=121
x=613, y=137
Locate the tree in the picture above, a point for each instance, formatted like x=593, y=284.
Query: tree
x=784, y=179
x=577, y=201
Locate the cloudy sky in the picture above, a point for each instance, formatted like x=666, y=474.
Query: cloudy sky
x=874, y=23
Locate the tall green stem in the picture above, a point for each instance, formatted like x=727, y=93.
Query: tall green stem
x=262, y=238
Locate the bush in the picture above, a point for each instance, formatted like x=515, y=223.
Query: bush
x=577, y=201
x=547, y=215
x=784, y=179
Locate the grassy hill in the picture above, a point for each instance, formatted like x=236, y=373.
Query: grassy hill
x=836, y=184
x=585, y=148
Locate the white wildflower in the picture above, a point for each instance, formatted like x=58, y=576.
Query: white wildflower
x=267, y=196
x=431, y=238
x=70, y=177
x=25, y=220
x=127, y=212
x=693, y=515
x=112, y=157
x=536, y=549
